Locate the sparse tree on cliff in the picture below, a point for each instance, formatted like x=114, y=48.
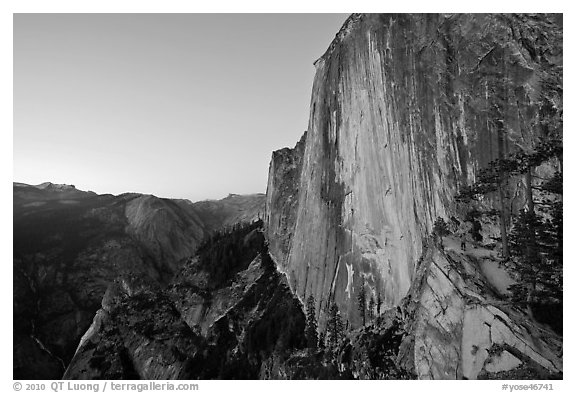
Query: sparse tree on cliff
x=494, y=74
x=362, y=302
x=378, y=303
x=334, y=327
x=520, y=163
x=535, y=241
x=311, y=331
x=440, y=230
x=538, y=262
x=371, y=306
x=536, y=245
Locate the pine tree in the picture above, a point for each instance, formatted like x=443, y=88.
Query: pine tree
x=520, y=163
x=371, y=306
x=321, y=341
x=378, y=303
x=440, y=230
x=536, y=244
x=334, y=327
x=311, y=331
x=536, y=240
x=362, y=302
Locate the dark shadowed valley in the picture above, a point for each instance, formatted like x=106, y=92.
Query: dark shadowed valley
x=71, y=245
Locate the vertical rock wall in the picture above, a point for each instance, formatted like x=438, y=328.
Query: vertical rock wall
x=405, y=109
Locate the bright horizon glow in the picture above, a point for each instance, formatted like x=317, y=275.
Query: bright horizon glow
x=176, y=105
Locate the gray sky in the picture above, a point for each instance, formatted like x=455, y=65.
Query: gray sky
x=176, y=105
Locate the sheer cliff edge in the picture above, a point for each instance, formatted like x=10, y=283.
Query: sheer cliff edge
x=405, y=112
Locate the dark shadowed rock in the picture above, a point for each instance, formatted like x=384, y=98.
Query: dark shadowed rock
x=70, y=245
x=211, y=322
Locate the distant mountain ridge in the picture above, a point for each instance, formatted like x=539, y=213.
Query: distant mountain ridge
x=227, y=211
x=70, y=245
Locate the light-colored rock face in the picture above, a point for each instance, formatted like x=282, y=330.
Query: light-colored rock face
x=459, y=327
x=167, y=230
x=282, y=199
x=405, y=110
x=401, y=116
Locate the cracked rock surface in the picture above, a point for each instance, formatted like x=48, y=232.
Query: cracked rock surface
x=460, y=327
x=399, y=122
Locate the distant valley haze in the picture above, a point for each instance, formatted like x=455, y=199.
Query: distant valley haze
x=176, y=105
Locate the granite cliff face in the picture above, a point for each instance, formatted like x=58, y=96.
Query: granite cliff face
x=405, y=110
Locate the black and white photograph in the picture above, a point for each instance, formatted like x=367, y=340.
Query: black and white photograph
x=286, y=196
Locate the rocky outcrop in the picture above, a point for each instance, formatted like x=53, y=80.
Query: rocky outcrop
x=455, y=323
x=460, y=326
x=402, y=115
x=282, y=198
x=209, y=323
x=405, y=110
